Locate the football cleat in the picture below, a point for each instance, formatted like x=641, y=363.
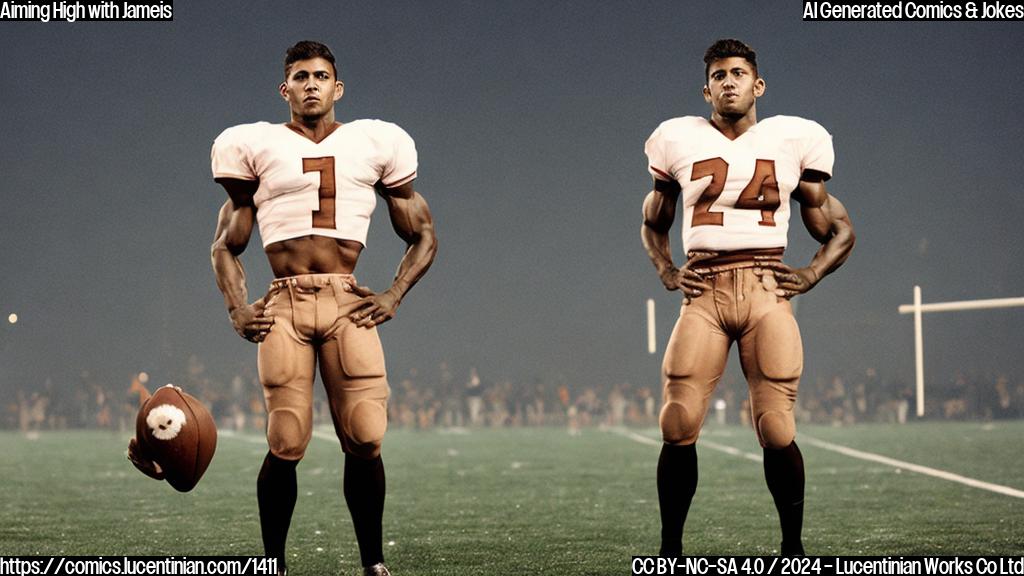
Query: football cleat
x=378, y=569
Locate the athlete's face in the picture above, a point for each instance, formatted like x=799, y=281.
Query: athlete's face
x=732, y=87
x=311, y=89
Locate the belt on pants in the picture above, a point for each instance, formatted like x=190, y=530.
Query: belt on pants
x=709, y=263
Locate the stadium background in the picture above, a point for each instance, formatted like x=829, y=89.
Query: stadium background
x=530, y=119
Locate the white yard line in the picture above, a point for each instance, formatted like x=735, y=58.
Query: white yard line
x=257, y=439
x=704, y=443
x=250, y=438
x=851, y=452
x=859, y=454
x=997, y=488
x=328, y=436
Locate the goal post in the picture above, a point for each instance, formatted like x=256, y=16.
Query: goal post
x=917, y=308
x=652, y=344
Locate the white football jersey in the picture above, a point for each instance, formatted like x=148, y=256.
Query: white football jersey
x=736, y=192
x=324, y=188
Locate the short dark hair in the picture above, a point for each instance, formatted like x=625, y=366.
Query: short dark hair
x=307, y=50
x=727, y=48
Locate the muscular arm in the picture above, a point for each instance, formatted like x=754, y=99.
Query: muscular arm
x=234, y=228
x=659, y=214
x=827, y=221
x=413, y=222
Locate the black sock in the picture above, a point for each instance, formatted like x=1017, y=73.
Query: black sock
x=677, y=482
x=276, y=490
x=364, y=488
x=784, y=472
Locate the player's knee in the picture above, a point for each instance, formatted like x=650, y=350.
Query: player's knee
x=364, y=451
x=776, y=430
x=367, y=423
x=287, y=450
x=679, y=425
x=285, y=435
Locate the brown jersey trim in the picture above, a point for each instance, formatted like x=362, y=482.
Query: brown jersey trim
x=663, y=174
x=405, y=180
x=812, y=175
x=233, y=176
x=667, y=186
x=299, y=131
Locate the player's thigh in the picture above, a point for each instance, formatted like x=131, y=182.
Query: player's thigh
x=694, y=361
x=354, y=374
x=772, y=357
x=286, y=368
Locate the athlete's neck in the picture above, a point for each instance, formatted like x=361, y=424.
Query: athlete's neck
x=734, y=127
x=316, y=128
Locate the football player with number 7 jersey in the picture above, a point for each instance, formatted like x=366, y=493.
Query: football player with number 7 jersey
x=311, y=186
x=736, y=177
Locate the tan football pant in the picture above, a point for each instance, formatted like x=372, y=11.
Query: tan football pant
x=743, y=308
x=311, y=326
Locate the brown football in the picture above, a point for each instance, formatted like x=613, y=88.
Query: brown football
x=177, y=432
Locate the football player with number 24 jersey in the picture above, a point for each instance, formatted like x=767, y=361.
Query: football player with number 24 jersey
x=735, y=177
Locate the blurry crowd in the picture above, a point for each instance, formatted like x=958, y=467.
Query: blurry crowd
x=466, y=397
x=471, y=400
x=848, y=399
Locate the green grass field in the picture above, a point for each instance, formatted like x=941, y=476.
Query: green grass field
x=521, y=501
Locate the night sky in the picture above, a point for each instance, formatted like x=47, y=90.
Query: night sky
x=530, y=119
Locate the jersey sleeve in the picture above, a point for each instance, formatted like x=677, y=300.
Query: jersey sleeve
x=400, y=161
x=231, y=156
x=817, y=153
x=657, y=163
